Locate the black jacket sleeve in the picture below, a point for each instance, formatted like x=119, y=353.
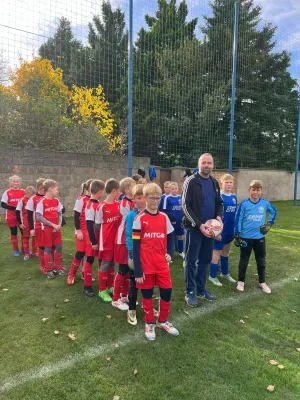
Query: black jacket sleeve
x=30, y=219
x=18, y=214
x=91, y=231
x=7, y=207
x=187, y=204
x=77, y=220
x=219, y=201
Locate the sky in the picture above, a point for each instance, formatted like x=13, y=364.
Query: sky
x=26, y=24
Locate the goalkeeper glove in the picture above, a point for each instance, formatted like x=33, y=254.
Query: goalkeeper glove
x=238, y=242
x=264, y=229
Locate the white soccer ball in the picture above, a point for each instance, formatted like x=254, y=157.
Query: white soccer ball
x=215, y=227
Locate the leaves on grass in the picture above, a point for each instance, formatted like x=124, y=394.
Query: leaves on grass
x=45, y=319
x=107, y=358
x=71, y=336
x=66, y=300
x=242, y=322
x=56, y=305
x=29, y=277
x=280, y=366
x=246, y=317
x=298, y=349
x=116, y=398
x=117, y=345
x=56, y=332
x=294, y=311
x=62, y=317
x=108, y=316
x=268, y=313
x=135, y=371
x=273, y=362
x=296, y=279
x=186, y=312
x=5, y=290
x=270, y=388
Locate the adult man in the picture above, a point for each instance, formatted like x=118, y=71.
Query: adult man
x=201, y=201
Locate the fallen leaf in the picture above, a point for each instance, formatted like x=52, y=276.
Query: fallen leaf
x=107, y=358
x=45, y=319
x=116, y=398
x=56, y=305
x=298, y=349
x=242, y=322
x=56, y=332
x=270, y=388
x=66, y=300
x=246, y=317
x=108, y=316
x=273, y=362
x=296, y=279
x=280, y=366
x=135, y=371
x=5, y=290
x=62, y=317
x=71, y=336
x=156, y=298
x=268, y=313
x=117, y=345
x=294, y=311
x=186, y=312
x=29, y=277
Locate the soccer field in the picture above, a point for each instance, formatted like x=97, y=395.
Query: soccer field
x=216, y=356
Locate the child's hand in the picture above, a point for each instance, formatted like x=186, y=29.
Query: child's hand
x=32, y=232
x=167, y=258
x=130, y=264
x=56, y=227
x=95, y=246
x=21, y=226
x=220, y=220
x=79, y=234
x=218, y=238
x=140, y=280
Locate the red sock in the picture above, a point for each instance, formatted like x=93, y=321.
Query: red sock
x=25, y=244
x=33, y=246
x=74, y=267
x=125, y=289
x=48, y=262
x=110, y=277
x=164, y=308
x=148, y=310
x=102, y=278
x=119, y=282
x=87, y=272
x=41, y=259
x=14, y=242
x=57, y=260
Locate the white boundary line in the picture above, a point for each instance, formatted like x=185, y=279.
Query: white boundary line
x=22, y=378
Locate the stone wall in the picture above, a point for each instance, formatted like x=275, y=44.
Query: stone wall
x=68, y=169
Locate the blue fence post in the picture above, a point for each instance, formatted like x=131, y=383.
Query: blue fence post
x=130, y=80
x=297, y=152
x=235, y=53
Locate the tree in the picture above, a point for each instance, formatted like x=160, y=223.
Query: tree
x=4, y=68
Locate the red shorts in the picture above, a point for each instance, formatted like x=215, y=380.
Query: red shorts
x=106, y=255
x=12, y=222
x=26, y=232
x=89, y=251
x=121, y=254
x=162, y=280
x=81, y=244
x=51, y=238
x=39, y=239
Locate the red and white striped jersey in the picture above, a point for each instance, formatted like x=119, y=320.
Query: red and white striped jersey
x=108, y=215
x=23, y=212
x=32, y=205
x=12, y=197
x=126, y=205
x=80, y=206
x=50, y=209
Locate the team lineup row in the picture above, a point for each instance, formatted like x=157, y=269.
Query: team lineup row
x=129, y=229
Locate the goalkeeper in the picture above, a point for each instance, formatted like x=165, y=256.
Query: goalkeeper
x=250, y=231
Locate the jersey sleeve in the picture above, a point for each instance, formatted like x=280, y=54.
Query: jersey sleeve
x=136, y=247
x=60, y=207
x=129, y=225
x=239, y=219
x=30, y=205
x=124, y=209
x=40, y=208
x=90, y=214
x=4, y=197
x=170, y=228
x=165, y=203
x=78, y=205
x=273, y=213
x=99, y=215
x=20, y=205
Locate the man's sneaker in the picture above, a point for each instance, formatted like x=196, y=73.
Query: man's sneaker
x=125, y=299
x=70, y=280
x=207, y=296
x=150, y=331
x=88, y=291
x=59, y=272
x=16, y=253
x=265, y=288
x=104, y=295
x=110, y=291
x=26, y=257
x=131, y=317
x=215, y=281
x=228, y=277
x=191, y=300
x=240, y=286
x=120, y=305
x=181, y=255
x=168, y=327
x=51, y=275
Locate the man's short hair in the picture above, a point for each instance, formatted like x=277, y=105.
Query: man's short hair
x=256, y=184
x=205, y=154
x=111, y=184
x=151, y=188
x=96, y=186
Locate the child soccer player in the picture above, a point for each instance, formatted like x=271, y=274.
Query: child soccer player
x=9, y=202
x=107, y=220
x=172, y=207
x=166, y=193
x=250, y=232
x=120, y=252
x=81, y=232
x=222, y=247
x=22, y=218
x=139, y=200
x=34, y=225
x=49, y=214
x=153, y=242
x=92, y=239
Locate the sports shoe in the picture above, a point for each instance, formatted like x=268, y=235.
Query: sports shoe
x=131, y=317
x=168, y=327
x=120, y=305
x=26, y=257
x=63, y=268
x=191, y=300
x=51, y=275
x=88, y=291
x=240, y=286
x=150, y=331
x=125, y=299
x=206, y=296
x=265, y=288
x=110, y=290
x=181, y=255
x=104, y=295
x=70, y=280
x=228, y=277
x=59, y=272
x=215, y=281
x=16, y=253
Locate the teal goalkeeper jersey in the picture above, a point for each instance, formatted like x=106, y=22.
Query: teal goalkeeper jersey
x=251, y=216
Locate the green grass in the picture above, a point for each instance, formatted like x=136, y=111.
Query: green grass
x=215, y=357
